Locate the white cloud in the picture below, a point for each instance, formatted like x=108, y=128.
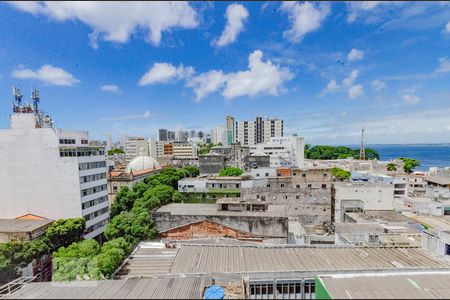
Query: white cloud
x=260, y=78
x=444, y=65
x=145, y=115
x=378, y=85
x=355, y=8
x=207, y=83
x=236, y=15
x=112, y=88
x=331, y=87
x=411, y=99
x=116, y=21
x=355, y=55
x=355, y=91
x=47, y=74
x=305, y=17
x=350, y=79
x=447, y=27
x=164, y=72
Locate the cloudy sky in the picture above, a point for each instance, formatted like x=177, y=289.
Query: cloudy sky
x=325, y=68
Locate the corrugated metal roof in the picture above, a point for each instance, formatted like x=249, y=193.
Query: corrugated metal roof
x=192, y=259
x=21, y=225
x=146, y=288
x=388, y=286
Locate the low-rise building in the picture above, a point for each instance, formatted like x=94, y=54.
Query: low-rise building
x=427, y=206
x=22, y=229
x=211, y=163
x=184, y=150
x=210, y=189
x=136, y=171
x=438, y=187
x=359, y=197
x=229, y=217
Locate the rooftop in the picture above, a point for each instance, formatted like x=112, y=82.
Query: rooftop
x=379, y=216
x=181, y=209
x=260, y=260
x=441, y=180
x=22, y=225
x=358, y=228
x=145, y=288
x=387, y=286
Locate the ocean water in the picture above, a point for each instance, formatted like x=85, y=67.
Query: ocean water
x=429, y=155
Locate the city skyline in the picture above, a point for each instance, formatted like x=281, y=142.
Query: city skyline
x=326, y=76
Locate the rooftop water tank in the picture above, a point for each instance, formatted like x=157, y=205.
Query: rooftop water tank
x=215, y=292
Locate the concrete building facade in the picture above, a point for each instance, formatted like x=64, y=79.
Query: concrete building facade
x=258, y=131
x=134, y=147
x=283, y=151
x=52, y=173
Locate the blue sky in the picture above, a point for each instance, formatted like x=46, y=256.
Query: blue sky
x=325, y=68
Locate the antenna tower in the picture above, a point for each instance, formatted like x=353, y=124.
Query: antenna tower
x=362, y=150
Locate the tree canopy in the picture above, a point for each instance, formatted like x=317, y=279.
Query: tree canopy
x=230, y=171
x=206, y=148
x=391, y=167
x=337, y=152
x=116, y=151
x=409, y=164
x=340, y=174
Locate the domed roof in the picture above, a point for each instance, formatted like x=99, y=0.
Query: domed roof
x=141, y=163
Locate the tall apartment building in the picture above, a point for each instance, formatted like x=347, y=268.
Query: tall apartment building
x=52, y=173
x=170, y=136
x=156, y=148
x=258, y=131
x=230, y=130
x=134, y=147
x=182, y=136
x=184, y=151
x=162, y=135
x=218, y=135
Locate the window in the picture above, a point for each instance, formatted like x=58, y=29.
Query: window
x=282, y=185
x=303, y=175
x=325, y=175
x=268, y=185
x=297, y=186
x=324, y=186
x=297, y=197
x=310, y=185
x=267, y=174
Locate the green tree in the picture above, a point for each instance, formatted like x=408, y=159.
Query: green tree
x=63, y=232
x=125, y=199
x=337, y=152
x=340, y=174
x=230, y=171
x=193, y=171
x=161, y=192
x=391, y=167
x=133, y=226
x=409, y=164
x=177, y=197
x=116, y=151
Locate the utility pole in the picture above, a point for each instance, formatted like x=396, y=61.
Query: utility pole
x=362, y=150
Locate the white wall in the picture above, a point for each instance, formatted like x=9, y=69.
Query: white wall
x=34, y=179
x=372, y=196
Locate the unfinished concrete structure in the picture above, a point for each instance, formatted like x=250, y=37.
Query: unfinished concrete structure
x=305, y=191
x=233, y=217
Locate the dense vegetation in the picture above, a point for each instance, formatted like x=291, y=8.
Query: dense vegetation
x=337, y=152
x=116, y=151
x=230, y=171
x=205, y=148
x=391, y=167
x=131, y=222
x=14, y=255
x=409, y=164
x=340, y=174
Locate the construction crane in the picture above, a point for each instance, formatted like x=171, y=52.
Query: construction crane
x=362, y=149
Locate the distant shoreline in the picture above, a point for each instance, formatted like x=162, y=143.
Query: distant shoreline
x=398, y=145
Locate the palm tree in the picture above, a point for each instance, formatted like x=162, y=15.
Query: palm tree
x=391, y=166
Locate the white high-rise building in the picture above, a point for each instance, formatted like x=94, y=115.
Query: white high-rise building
x=134, y=147
x=51, y=173
x=218, y=135
x=259, y=131
x=283, y=151
x=156, y=148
